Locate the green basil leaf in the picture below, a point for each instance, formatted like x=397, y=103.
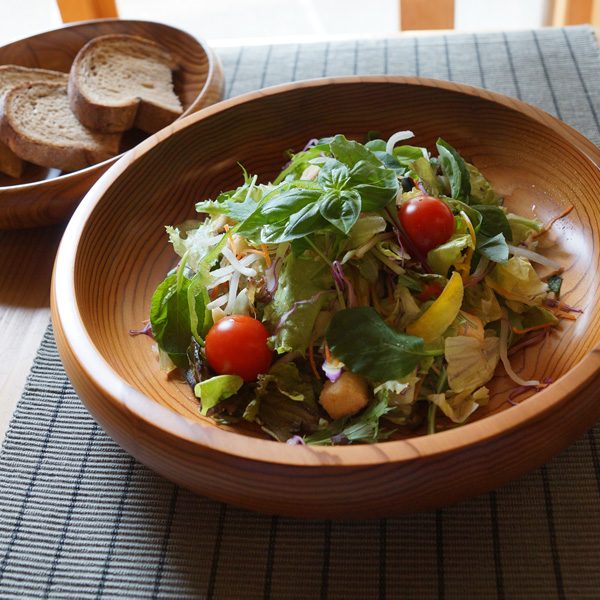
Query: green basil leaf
x=390, y=162
x=341, y=209
x=493, y=221
x=376, y=185
x=456, y=171
x=334, y=174
x=270, y=222
x=365, y=344
x=351, y=153
x=493, y=248
x=306, y=221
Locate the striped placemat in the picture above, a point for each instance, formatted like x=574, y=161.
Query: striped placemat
x=79, y=518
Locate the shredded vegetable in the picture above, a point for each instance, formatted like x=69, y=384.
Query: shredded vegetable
x=388, y=282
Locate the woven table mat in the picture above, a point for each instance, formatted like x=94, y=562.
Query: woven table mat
x=79, y=518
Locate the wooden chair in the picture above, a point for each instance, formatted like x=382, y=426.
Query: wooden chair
x=414, y=14
x=83, y=10
x=575, y=12
x=439, y=14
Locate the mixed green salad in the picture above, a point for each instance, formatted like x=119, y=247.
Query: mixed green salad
x=369, y=288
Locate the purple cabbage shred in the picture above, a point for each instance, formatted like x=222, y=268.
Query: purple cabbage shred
x=342, y=282
x=146, y=330
x=296, y=440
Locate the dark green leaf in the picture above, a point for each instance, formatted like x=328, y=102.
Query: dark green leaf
x=555, y=283
x=366, y=345
x=455, y=170
x=493, y=221
x=390, y=162
x=334, y=175
x=270, y=222
x=377, y=186
x=170, y=318
x=300, y=224
x=341, y=209
x=351, y=153
x=494, y=248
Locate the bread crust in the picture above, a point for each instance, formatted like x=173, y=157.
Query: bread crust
x=10, y=75
x=60, y=153
x=134, y=110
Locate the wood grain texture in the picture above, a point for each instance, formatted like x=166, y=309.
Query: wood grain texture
x=47, y=196
x=25, y=274
x=115, y=253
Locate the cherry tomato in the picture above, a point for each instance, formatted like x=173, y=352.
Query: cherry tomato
x=427, y=221
x=237, y=345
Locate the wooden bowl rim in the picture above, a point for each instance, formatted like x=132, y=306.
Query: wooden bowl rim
x=212, y=60
x=143, y=408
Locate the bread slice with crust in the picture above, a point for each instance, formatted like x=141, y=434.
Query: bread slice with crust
x=37, y=124
x=122, y=81
x=11, y=75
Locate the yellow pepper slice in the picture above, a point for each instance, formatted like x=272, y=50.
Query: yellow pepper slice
x=440, y=315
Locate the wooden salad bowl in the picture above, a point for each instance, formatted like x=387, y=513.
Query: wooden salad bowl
x=115, y=252
x=47, y=196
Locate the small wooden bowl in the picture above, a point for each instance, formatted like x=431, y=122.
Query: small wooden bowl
x=115, y=252
x=46, y=196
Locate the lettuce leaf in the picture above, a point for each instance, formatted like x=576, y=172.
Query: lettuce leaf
x=214, y=390
x=399, y=396
x=365, y=228
x=301, y=278
x=284, y=403
x=194, y=237
x=458, y=407
x=518, y=281
x=471, y=363
x=522, y=228
x=482, y=191
x=481, y=301
x=440, y=259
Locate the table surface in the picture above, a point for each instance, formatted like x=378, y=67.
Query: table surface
x=535, y=539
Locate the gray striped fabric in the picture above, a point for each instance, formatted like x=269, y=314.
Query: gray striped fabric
x=81, y=519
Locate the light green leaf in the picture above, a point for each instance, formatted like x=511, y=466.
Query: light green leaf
x=218, y=388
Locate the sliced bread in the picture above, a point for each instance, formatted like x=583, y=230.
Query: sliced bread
x=37, y=124
x=122, y=81
x=10, y=75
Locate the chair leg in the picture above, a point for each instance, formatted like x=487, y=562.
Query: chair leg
x=426, y=14
x=83, y=10
x=575, y=12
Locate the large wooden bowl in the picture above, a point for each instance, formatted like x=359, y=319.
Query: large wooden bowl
x=115, y=252
x=47, y=196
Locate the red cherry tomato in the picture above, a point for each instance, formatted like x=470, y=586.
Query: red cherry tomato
x=237, y=345
x=427, y=221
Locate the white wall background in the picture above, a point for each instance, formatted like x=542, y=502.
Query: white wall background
x=242, y=19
